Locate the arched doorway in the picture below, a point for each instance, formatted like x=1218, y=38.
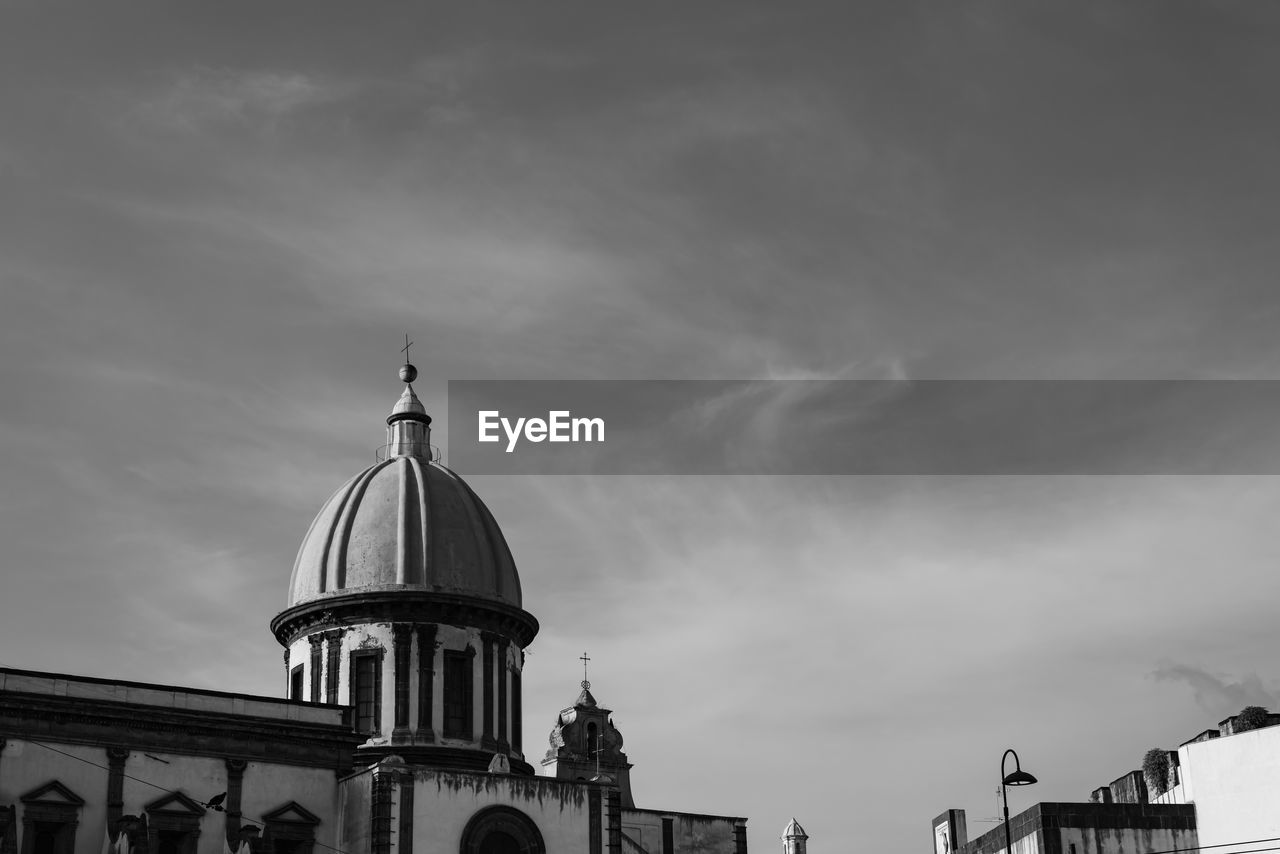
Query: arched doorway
x=501, y=830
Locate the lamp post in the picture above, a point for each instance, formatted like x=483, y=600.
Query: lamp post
x=1017, y=777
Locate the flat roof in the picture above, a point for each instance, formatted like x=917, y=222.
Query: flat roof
x=167, y=696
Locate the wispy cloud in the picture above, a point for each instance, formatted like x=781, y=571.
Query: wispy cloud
x=1220, y=694
x=200, y=99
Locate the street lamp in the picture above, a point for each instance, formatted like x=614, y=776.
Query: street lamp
x=1017, y=777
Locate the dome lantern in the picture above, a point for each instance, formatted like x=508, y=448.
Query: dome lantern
x=408, y=425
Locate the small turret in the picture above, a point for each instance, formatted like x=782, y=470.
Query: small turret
x=794, y=838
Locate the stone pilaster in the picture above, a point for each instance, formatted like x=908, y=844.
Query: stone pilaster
x=406, y=814
x=235, y=787
x=315, y=664
x=504, y=744
x=116, y=758
x=486, y=733
x=594, y=824
x=333, y=661
x=426, y=681
x=403, y=640
x=615, y=820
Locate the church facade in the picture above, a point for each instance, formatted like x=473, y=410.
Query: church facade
x=403, y=638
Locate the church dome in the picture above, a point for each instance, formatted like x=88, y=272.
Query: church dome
x=405, y=527
x=405, y=523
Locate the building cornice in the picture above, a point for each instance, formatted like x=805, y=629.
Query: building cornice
x=404, y=606
x=134, y=726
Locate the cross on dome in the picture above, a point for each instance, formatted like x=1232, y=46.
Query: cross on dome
x=408, y=372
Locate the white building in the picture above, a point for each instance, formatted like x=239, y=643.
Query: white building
x=1234, y=782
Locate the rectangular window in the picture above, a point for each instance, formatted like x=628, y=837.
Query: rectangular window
x=366, y=690
x=295, y=683
x=457, y=695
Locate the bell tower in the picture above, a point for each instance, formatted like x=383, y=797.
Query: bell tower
x=585, y=744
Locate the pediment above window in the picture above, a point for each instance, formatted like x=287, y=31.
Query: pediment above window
x=52, y=792
x=175, y=804
x=292, y=813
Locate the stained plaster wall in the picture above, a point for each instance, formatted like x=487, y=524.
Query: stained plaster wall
x=355, y=796
x=197, y=777
x=444, y=801
x=1091, y=828
x=381, y=635
x=267, y=787
x=690, y=832
x=1091, y=840
x=25, y=766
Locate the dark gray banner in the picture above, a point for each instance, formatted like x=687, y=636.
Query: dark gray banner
x=881, y=427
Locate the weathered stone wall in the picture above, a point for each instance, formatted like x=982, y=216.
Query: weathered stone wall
x=444, y=801
x=25, y=765
x=1129, y=789
x=642, y=832
x=1122, y=840
x=1092, y=828
x=133, y=743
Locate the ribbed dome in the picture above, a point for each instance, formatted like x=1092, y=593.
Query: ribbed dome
x=794, y=829
x=406, y=523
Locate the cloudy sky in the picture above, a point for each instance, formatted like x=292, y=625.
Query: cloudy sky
x=218, y=220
